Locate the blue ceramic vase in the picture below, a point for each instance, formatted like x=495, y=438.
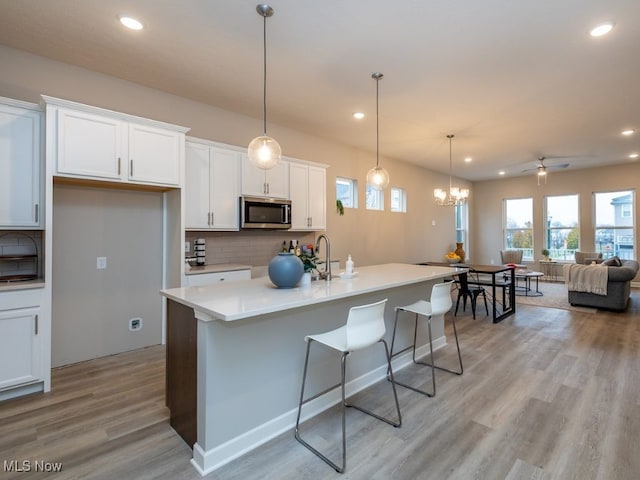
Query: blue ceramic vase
x=285, y=270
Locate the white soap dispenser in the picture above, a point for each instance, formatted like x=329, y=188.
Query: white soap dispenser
x=348, y=266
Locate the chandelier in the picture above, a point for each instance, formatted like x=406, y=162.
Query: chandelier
x=455, y=195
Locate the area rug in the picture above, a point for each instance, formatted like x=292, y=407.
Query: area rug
x=554, y=295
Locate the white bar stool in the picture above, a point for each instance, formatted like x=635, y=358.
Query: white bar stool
x=364, y=328
x=439, y=304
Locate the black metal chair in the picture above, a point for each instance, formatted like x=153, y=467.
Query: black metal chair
x=470, y=290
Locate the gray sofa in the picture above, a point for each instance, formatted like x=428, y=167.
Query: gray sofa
x=618, y=288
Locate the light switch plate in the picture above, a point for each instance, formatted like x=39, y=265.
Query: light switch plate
x=101, y=263
x=187, y=247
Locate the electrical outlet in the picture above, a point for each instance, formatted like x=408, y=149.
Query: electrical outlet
x=101, y=263
x=187, y=247
x=135, y=324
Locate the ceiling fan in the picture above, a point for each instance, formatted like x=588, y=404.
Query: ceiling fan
x=541, y=168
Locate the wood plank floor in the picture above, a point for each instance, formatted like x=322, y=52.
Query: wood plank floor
x=547, y=394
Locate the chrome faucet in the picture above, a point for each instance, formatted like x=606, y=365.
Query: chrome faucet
x=326, y=275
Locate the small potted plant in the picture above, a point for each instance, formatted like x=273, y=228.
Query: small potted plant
x=309, y=262
x=545, y=254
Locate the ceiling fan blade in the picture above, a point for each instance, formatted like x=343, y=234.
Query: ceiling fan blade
x=561, y=165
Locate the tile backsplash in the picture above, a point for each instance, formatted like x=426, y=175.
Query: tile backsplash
x=16, y=243
x=248, y=248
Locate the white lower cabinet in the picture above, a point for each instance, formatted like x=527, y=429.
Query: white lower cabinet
x=20, y=345
x=201, y=279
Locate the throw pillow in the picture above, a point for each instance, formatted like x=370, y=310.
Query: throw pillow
x=612, y=262
x=589, y=261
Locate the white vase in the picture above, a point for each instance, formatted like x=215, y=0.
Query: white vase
x=305, y=280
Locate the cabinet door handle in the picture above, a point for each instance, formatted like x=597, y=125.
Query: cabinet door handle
x=37, y=213
x=131, y=168
x=36, y=324
x=119, y=169
x=212, y=221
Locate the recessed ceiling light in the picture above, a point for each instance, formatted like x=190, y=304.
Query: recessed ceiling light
x=601, y=29
x=633, y=155
x=468, y=159
x=130, y=22
x=501, y=172
x=629, y=131
x=358, y=115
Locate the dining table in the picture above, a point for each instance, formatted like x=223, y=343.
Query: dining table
x=495, y=277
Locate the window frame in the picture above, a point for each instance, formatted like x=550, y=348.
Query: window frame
x=353, y=189
x=561, y=254
x=528, y=253
x=402, y=200
x=625, y=213
x=379, y=199
x=461, y=214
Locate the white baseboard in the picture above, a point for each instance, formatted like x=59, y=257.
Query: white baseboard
x=21, y=391
x=206, y=461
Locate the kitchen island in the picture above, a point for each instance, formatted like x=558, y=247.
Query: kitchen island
x=235, y=353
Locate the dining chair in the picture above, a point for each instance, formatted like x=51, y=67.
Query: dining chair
x=365, y=327
x=511, y=256
x=471, y=291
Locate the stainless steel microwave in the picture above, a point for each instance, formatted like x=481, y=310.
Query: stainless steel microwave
x=266, y=213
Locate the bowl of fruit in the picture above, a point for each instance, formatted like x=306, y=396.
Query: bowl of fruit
x=452, y=257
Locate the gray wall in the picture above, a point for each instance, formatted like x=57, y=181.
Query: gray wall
x=91, y=308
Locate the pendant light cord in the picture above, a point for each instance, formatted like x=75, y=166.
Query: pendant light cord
x=450, y=137
x=377, y=125
x=264, y=83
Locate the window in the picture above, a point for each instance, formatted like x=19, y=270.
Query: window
x=614, y=224
x=461, y=213
x=517, y=226
x=398, y=200
x=563, y=227
x=347, y=192
x=375, y=199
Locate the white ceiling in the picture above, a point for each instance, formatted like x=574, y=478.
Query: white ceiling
x=512, y=79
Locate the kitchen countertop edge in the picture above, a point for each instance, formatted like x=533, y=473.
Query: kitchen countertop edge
x=250, y=298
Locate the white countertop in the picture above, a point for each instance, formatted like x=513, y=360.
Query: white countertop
x=22, y=285
x=217, y=268
x=238, y=300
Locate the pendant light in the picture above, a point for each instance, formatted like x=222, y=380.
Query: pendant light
x=377, y=177
x=264, y=152
x=456, y=195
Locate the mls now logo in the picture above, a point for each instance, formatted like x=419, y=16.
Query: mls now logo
x=29, y=466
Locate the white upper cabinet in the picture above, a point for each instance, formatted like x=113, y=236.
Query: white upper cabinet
x=97, y=144
x=265, y=183
x=91, y=145
x=211, y=187
x=308, y=187
x=154, y=154
x=20, y=164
